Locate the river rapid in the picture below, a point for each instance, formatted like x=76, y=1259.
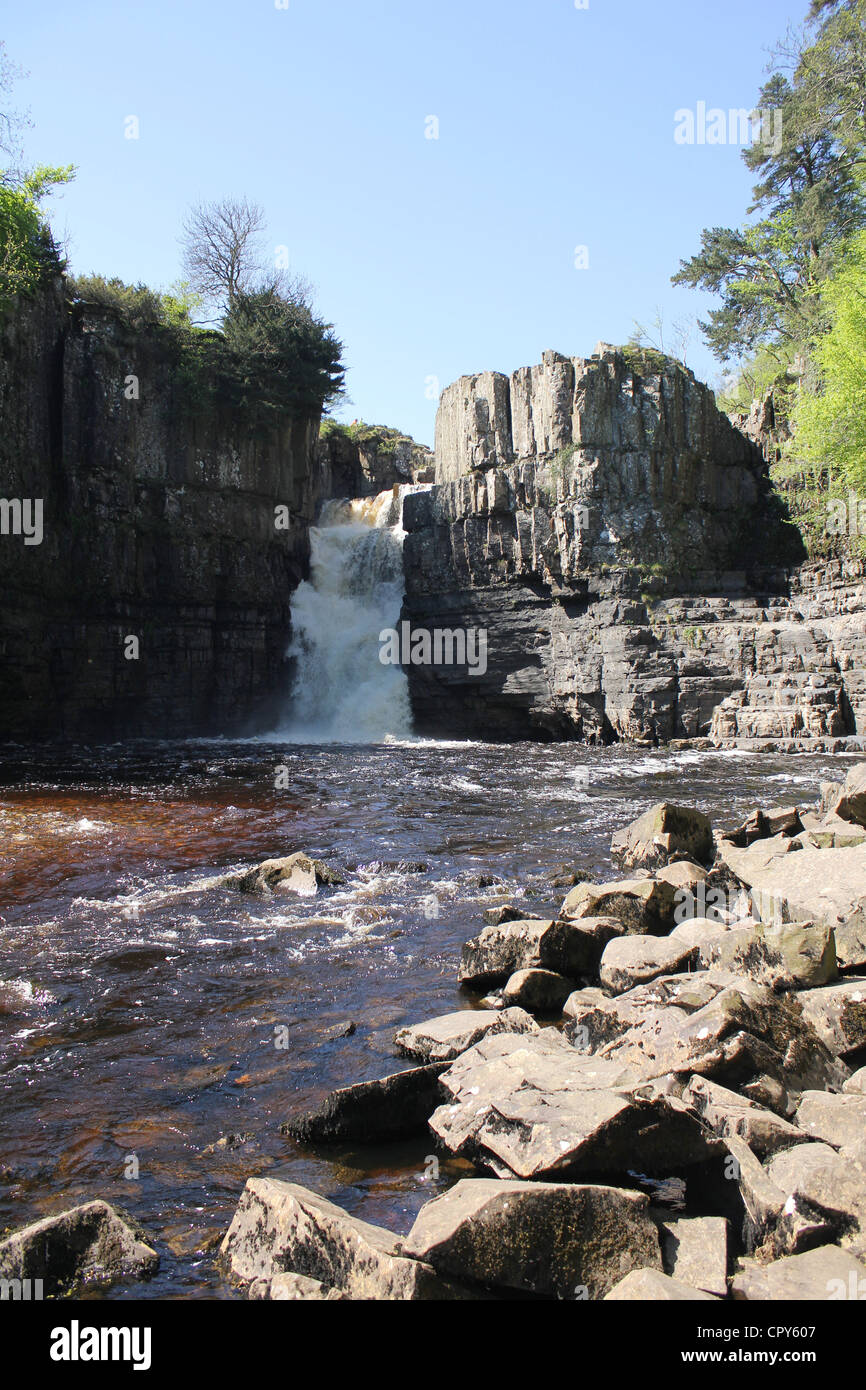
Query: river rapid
x=157, y=1027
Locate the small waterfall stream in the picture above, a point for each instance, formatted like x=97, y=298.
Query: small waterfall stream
x=342, y=692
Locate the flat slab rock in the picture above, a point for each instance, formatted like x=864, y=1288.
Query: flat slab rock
x=636, y=960
x=559, y=1240
x=730, y=1115
x=392, y=1107
x=821, y=885
x=836, y=1120
x=92, y=1242
x=444, y=1038
x=280, y=1228
x=823, y=1275
x=533, y=1107
x=649, y=1286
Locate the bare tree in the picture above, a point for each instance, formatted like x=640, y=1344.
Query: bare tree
x=222, y=248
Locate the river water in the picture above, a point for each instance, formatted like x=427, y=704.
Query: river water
x=141, y=1001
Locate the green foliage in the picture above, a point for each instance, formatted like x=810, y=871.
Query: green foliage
x=28, y=254
x=830, y=424
x=284, y=356
x=694, y=637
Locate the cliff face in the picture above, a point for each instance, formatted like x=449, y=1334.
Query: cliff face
x=160, y=524
x=619, y=541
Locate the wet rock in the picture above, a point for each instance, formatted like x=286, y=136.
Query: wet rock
x=649, y=1286
x=444, y=1038
x=560, y=1240
x=495, y=916
x=733, y=1116
x=838, y=1015
x=636, y=960
x=662, y=833
x=394, y=1107
x=825, y=1274
x=280, y=1228
x=695, y=1252
x=92, y=1242
x=535, y=1108
x=539, y=991
x=793, y=955
x=499, y=951
x=836, y=1120
x=297, y=873
x=642, y=906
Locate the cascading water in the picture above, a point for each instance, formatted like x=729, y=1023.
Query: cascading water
x=342, y=691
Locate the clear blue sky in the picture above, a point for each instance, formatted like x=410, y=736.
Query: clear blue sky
x=433, y=258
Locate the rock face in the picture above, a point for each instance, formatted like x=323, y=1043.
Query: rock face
x=159, y=523
x=593, y=516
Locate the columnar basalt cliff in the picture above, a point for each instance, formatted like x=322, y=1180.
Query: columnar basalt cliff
x=160, y=523
x=622, y=545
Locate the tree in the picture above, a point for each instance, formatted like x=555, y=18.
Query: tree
x=222, y=249
x=830, y=425
x=809, y=197
x=287, y=357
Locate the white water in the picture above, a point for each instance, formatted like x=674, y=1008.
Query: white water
x=342, y=692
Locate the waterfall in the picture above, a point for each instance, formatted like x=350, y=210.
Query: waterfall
x=342, y=692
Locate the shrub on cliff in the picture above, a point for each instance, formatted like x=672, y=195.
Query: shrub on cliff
x=29, y=256
x=285, y=357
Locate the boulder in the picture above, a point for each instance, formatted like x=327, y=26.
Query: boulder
x=838, y=1015
x=280, y=1228
x=821, y=1275
x=93, y=1242
x=539, y=991
x=730, y=1115
x=558, y=1240
x=642, y=906
x=495, y=916
x=695, y=1252
x=792, y=955
x=297, y=873
x=836, y=1120
x=534, y=1107
x=851, y=945
x=821, y=885
x=856, y=1084
x=820, y=1183
x=648, y=1286
x=851, y=805
x=682, y=874
x=636, y=960
x=764, y=825
x=500, y=951
x=369, y=1112
x=661, y=834
x=444, y=1038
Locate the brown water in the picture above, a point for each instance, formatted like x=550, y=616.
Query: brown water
x=140, y=1000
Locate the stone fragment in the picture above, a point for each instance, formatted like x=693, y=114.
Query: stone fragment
x=648, y=1286
x=369, y=1112
x=444, y=1038
x=636, y=960
x=642, y=906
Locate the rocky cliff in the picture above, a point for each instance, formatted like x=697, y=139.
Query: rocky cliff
x=621, y=544
x=160, y=524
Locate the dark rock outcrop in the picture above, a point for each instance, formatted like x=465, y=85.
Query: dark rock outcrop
x=159, y=523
